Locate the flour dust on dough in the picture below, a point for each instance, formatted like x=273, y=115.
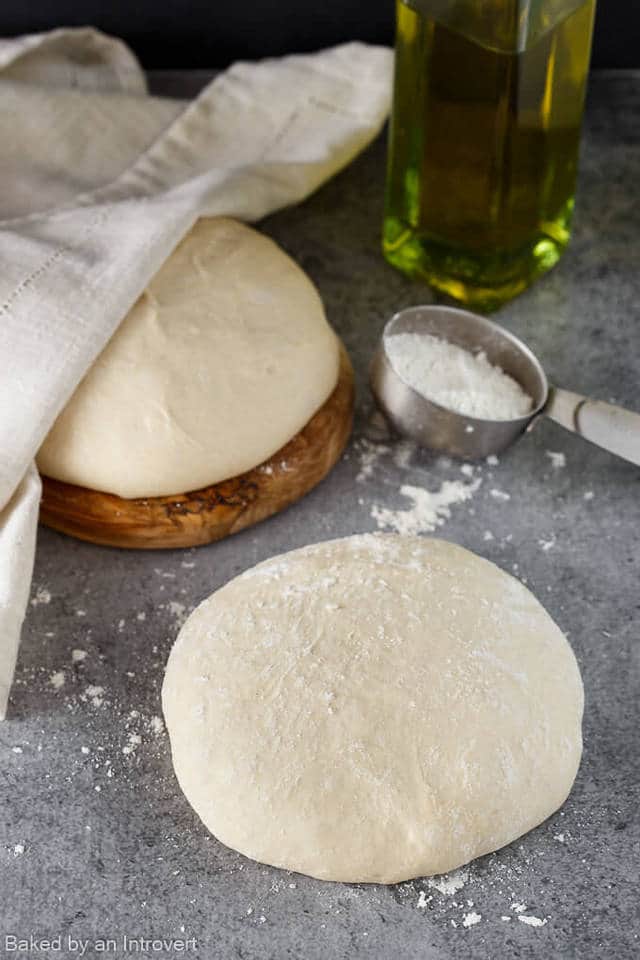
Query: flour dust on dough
x=222, y=360
x=373, y=709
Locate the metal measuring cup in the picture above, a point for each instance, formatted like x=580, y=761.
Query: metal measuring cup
x=413, y=415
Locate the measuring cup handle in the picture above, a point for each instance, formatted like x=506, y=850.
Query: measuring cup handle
x=613, y=428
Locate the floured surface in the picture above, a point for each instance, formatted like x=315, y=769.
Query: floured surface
x=220, y=362
x=373, y=709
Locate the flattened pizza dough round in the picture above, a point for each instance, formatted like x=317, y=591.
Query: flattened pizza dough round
x=222, y=360
x=373, y=709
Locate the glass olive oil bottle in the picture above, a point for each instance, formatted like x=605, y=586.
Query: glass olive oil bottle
x=484, y=138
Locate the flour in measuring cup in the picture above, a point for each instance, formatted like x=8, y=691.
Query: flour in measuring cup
x=455, y=378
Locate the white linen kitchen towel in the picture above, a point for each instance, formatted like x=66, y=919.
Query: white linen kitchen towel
x=99, y=182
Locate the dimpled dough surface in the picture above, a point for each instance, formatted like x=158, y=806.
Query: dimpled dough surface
x=373, y=709
x=222, y=360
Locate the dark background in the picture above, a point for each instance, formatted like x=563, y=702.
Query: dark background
x=206, y=33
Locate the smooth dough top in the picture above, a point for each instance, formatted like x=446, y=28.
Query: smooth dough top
x=373, y=709
x=222, y=360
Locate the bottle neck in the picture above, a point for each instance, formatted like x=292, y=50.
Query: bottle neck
x=509, y=26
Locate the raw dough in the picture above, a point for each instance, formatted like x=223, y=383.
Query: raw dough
x=220, y=362
x=373, y=709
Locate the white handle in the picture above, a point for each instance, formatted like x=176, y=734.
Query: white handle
x=612, y=428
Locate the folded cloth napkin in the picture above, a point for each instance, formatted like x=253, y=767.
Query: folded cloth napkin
x=100, y=182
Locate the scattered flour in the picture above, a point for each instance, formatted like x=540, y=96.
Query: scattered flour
x=559, y=837
x=18, y=850
x=470, y=919
x=450, y=883
x=428, y=511
x=370, y=454
x=95, y=694
x=531, y=921
x=57, y=679
x=42, y=595
x=178, y=611
x=423, y=900
x=78, y=656
x=558, y=460
x=500, y=495
x=157, y=725
x=134, y=742
x=456, y=378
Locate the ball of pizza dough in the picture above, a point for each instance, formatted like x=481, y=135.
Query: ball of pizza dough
x=373, y=709
x=221, y=361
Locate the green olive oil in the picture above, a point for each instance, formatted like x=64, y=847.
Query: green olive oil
x=483, y=155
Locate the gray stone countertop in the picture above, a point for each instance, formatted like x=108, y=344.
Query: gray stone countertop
x=97, y=841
